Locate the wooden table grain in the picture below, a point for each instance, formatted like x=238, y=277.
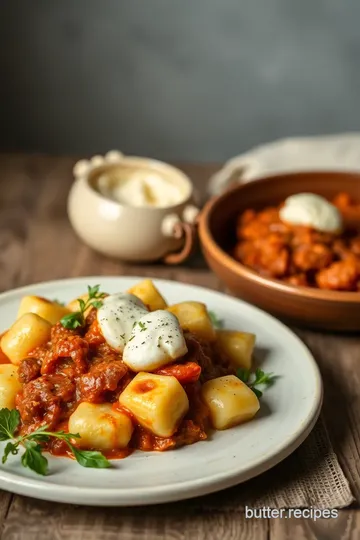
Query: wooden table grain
x=37, y=244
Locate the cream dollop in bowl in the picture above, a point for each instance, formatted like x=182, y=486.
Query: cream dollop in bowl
x=311, y=210
x=133, y=208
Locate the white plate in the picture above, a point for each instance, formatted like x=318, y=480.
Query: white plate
x=288, y=413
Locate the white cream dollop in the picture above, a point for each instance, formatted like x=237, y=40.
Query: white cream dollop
x=117, y=316
x=148, y=340
x=156, y=340
x=312, y=211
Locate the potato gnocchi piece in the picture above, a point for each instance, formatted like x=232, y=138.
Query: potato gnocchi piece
x=230, y=401
x=100, y=426
x=158, y=402
x=149, y=294
x=9, y=386
x=194, y=317
x=48, y=310
x=27, y=333
x=237, y=347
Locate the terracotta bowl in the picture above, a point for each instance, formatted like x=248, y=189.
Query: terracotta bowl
x=305, y=306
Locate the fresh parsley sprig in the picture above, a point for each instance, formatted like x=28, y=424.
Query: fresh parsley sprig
x=254, y=380
x=216, y=322
x=77, y=319
x=33, y=457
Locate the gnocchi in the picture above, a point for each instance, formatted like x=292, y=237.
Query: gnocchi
x=149, y=294
x=194, y=317
x=230, y=401
x=158, y=402
x=9, y=386
x=48, y=310
x=101, y=426
x=27, y=333
x=237, y=347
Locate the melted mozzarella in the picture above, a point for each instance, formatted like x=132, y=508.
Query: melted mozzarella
x=156, y=340
x=117, y=316
x=312, y=211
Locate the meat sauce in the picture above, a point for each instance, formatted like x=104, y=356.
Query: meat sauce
x=77, y=365
x=300, y=255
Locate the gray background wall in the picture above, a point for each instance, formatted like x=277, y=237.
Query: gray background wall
x=190, y=79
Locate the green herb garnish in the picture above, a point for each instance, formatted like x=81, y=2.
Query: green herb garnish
x=33, y=457
x=142, y=326
x=216, y=322
x=59, y=302
x=77, y=319
x=253, y=380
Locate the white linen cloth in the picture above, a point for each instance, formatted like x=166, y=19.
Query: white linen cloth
x=331, y=152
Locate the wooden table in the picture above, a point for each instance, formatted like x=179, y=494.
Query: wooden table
x=38, y=244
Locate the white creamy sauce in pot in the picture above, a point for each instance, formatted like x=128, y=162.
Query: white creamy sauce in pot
x=140, y=188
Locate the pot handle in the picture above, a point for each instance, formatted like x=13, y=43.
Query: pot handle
x=175, y=227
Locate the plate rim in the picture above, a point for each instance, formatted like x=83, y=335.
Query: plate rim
x=139, y=496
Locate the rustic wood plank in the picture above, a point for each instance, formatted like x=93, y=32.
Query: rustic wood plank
x=149, y=523
x=345, y=527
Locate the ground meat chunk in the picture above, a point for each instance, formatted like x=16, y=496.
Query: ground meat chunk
x=203, y=354
x=102, y=377
x=299, y=280
x=246, y=217
x=188, y=433
x=340, y=276
x=58, y=331
x=253, y=230
x=312, y=257
x=275, y=262
x=355, y=245
x=304, y=235
x=188, y=372
x=267, y=256
x=40, y=353
x=70, y=346
x=198, y=412
x=105, y=351
x=269, y=215
x=29, y=369
x=94, y=336
x=45, y=400
x=341, y=249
